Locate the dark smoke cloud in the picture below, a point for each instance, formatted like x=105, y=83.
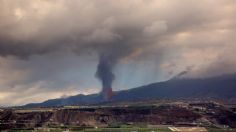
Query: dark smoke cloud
x=109, y=56
x=105, y=70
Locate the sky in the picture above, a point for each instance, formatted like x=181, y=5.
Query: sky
x=51, y=48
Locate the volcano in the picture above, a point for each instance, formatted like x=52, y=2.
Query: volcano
x=221, y=87
x=107, y=94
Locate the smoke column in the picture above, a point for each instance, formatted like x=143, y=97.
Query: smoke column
x=105, y=75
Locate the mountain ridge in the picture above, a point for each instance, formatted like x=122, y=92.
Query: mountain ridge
x=221, y=87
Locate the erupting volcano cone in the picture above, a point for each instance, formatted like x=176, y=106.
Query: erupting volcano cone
x=107, y=93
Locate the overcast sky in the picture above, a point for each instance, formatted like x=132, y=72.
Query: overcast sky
x=51, y=48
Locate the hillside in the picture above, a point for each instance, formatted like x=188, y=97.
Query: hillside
x=222, y=87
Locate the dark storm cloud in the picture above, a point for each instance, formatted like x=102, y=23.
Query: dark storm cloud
x=30, y=28
x=44, y=26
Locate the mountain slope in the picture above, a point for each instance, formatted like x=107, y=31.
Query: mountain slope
x=222, y=87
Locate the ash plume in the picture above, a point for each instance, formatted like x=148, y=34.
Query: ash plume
x=104, y=71
x=108, y=59
x=105, y=75
x=180, y=75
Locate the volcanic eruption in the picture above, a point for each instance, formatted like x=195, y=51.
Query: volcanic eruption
x=109, y=57
x=105, y=75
